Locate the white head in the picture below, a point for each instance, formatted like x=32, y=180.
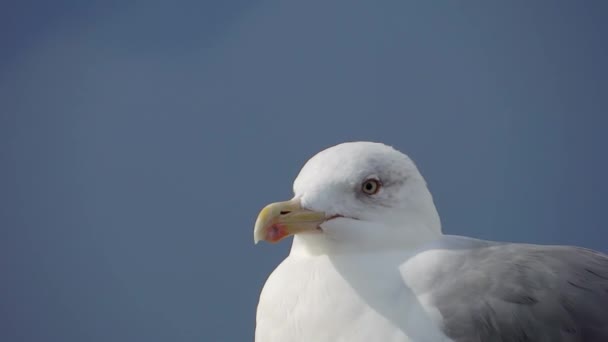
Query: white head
x=358, y=195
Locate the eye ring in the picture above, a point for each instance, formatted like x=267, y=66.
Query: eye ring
x=371, y=186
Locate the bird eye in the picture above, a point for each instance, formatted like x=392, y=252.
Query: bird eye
x=371, y=186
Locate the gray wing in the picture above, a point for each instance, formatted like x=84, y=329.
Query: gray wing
x=518, y=292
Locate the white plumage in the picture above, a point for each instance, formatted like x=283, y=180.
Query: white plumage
x=374, y=266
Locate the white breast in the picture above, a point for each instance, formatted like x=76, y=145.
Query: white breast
x=342, y=298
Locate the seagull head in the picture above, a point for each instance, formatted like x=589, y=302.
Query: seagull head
x=357, y=194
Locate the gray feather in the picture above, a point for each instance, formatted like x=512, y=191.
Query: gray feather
x=519, y=292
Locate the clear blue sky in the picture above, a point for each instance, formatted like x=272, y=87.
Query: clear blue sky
x=138, y=140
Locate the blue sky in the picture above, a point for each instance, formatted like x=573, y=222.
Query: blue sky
x=139, y=140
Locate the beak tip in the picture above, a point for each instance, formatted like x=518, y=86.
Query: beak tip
x=257, y=236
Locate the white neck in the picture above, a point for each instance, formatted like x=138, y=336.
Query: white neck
x=360, y=241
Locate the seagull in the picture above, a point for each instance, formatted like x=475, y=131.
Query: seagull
x=369, y=262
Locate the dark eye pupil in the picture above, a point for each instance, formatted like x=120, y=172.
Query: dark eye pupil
x=370, y=187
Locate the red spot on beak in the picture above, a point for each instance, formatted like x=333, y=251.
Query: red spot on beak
x=276, y=232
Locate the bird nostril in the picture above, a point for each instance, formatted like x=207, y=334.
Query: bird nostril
x=284, y=212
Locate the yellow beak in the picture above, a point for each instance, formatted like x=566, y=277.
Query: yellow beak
x=282, y=219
